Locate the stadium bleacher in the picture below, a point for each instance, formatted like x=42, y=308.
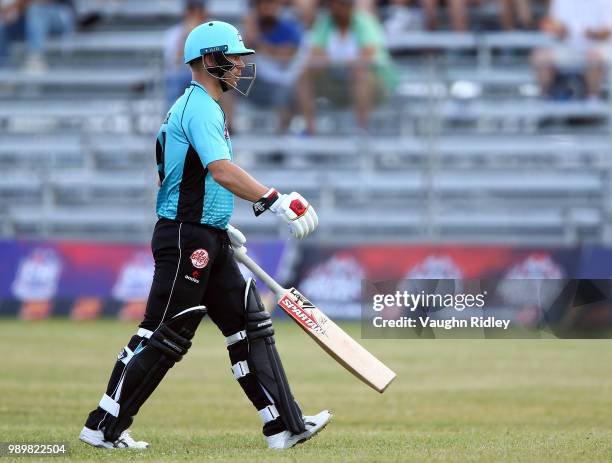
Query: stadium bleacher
x=464, y=151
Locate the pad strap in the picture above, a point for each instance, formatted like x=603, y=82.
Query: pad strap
x=270, y=413
x=108, y=404
x=167, y=345
x=240, y=369
x=236, y=337
x=144, y=333
x=128, y=355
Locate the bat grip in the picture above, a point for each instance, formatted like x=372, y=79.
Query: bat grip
x=241, y=256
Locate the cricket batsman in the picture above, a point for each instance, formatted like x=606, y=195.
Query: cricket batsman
x=195, y=272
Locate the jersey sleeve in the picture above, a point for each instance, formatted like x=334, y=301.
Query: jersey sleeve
x=206, y=132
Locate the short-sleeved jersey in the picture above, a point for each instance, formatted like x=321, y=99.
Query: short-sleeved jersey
x=193, y=135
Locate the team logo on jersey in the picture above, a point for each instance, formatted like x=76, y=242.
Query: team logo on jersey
x=199, y=258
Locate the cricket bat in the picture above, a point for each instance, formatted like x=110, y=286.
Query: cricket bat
x=333, y=339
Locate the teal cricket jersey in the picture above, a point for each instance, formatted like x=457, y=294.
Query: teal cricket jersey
x=193, y=135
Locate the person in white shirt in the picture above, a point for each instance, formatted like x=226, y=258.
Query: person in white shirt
x=178, y=76
x=583, y=29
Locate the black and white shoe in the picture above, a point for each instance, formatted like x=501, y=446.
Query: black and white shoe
x=125, y=441
x=286, y=439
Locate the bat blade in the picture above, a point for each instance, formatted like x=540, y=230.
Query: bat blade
x=335, y=341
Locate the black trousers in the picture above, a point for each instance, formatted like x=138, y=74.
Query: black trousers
x=194, y=265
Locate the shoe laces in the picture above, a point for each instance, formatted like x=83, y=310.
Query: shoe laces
x=308, y=421
x=127, y=438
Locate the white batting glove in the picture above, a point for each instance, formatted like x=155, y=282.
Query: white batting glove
x=237, y=238
x=291, y=208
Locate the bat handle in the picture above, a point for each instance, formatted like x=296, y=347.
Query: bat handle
x=241, y=256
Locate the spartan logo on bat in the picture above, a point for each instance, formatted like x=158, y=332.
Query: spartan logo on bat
x=304, y=303
x=303, y=317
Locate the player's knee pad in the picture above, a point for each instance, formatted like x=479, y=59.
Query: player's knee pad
x=265, y=363
x=148, y=365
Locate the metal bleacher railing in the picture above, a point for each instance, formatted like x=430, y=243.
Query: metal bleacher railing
x=463, y=151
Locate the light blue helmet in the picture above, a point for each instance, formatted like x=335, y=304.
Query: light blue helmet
x=219, y=39
x=214, y=36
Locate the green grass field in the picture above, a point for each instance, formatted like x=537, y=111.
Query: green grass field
x=470, y=400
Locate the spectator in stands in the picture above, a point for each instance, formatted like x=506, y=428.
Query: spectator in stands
x=523, y=11
x=306, y=11
x=401, y=16
x=583, y=30
x=276, y=40
x=45, y=18
x=178, y=76
x=12, y=26
x=457, y=9
x=459, y=18
x=347, y=62
x=405, y=11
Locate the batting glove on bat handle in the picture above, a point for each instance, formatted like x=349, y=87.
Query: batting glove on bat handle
x=237, y=239
x=297, y=213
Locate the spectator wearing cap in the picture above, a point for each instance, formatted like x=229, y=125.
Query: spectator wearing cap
x=276, y=39
x=178, y=76
x=583, y=30
x=348, y=62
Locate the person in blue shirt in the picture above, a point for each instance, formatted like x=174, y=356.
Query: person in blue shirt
x=195, y=273
x=278, y=39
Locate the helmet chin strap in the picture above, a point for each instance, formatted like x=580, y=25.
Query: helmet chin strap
x=224, y=66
